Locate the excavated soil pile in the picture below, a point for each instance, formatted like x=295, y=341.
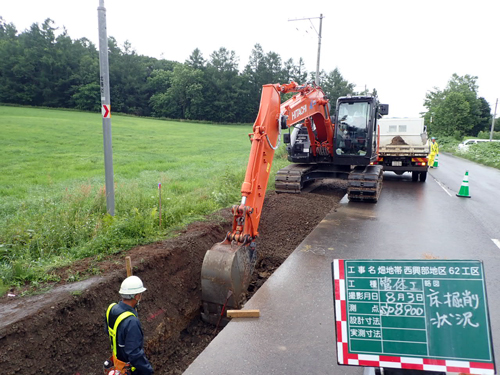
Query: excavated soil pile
x=398, y=141
x=62, y=331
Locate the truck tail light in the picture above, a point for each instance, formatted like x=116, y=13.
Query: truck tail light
x=419, y=161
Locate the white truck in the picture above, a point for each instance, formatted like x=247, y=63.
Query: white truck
x=404, y=146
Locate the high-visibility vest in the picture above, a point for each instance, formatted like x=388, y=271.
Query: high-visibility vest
x=434, y=148
x=113, y=331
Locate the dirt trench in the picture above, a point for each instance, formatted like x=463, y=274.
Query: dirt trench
x=62, y=331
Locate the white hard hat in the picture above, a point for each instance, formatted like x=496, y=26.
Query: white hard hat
x=132, y=285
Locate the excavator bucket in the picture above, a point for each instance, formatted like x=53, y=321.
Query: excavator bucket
x=225, y=276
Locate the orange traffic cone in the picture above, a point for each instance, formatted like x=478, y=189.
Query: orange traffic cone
x=464, y=189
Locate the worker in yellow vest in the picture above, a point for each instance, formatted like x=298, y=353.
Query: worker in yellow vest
x=434, y=151
x=125, y=331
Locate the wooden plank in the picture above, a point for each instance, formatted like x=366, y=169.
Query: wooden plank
x=128, y=264
x=243, y=313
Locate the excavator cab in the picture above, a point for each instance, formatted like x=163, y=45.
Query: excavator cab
x=356, y=130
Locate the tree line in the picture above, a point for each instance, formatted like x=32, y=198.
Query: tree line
x=457, y=111
x=40, y=68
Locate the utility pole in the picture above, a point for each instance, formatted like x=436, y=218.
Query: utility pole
x=319, y=47
x=493, y=121
x=319, y=39
x=106, y=109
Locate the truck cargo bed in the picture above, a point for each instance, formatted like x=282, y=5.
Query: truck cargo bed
x=404, y=150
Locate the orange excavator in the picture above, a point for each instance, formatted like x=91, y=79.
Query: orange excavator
x=320, y=146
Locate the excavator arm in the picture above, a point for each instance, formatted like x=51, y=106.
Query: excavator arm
x=228, y=266
x=308, y=106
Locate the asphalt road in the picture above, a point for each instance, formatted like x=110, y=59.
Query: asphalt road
x=295, y=333
x=484, y=190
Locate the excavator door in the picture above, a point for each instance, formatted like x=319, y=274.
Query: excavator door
x=356, y=130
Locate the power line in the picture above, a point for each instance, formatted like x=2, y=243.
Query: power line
x=319, y=38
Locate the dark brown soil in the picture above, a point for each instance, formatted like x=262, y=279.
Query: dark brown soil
x=62, y=331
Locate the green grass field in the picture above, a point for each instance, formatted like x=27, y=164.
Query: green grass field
x=52, y=198
x=485, y=153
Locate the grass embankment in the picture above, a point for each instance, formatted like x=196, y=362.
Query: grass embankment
x=486, y=153
x=52, y=196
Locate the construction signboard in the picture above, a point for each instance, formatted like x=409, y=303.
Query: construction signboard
x=413, y=314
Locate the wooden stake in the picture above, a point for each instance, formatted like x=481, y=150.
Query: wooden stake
x=128, y=264
x=243, y=313
x=159, y=203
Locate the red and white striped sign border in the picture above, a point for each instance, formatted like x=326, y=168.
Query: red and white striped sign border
x=413, y=363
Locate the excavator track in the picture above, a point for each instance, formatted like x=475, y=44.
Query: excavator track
x=365, y=183
x=291, y=179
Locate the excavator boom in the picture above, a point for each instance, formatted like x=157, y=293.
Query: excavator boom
x=228, y=266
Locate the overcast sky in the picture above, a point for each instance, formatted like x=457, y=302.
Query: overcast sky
x=402, y=48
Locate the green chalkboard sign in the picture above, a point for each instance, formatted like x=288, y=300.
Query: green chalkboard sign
x=430, y=309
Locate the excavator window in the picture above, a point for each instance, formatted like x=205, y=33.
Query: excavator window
x=352, y=129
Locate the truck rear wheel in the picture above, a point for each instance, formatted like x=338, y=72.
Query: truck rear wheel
x=414, y=176
x=423, y=176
